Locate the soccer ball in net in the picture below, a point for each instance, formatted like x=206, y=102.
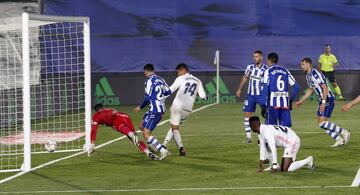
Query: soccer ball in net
x=50, y=146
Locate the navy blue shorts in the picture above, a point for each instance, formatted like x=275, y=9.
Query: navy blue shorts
x=278, y=117
x=329, y=107
x=250, y=103
x=151, y=120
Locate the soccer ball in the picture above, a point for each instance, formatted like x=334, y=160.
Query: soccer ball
x=50, y=146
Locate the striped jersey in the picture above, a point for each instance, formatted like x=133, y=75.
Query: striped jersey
x=276, y=79
x=256, y=76
x=315, y=79
x=156, y=88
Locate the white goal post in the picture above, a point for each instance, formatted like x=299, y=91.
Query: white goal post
x=45, y=87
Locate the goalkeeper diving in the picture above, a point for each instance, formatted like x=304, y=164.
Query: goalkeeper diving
x=120, y=122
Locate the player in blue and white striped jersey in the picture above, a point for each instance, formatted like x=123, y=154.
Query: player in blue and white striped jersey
x=276, y=91
x=316, y=81
x=254, y=73
x=156, y=91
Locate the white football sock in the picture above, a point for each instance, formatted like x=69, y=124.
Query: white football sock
x=247, y=128
x=147, y=151
x=344, y=132
x=177, y=138
x=168, y=137
x=338, y=138
x=298, y=164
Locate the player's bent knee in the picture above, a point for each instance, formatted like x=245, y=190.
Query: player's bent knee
x=173, y=127
x=146, y=133
x=321, y=123
x=248, y=114
x=286, y=163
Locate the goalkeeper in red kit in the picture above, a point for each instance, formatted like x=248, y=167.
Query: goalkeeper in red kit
x=120, y=122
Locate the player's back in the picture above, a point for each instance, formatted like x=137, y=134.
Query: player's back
x=105, y=116
x=156, y=88
x=277, y=79
x=188, y=87
x=283, y=136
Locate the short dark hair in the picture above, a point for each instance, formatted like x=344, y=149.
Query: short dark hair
x=182, y=66
x=98, y=106
x=273, y=57
x=327, y=45
x=308, y=60
x=254, y=119
x=149, y=67
x=259, y=52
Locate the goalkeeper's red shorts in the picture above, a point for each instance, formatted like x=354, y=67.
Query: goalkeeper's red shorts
x=123, y=124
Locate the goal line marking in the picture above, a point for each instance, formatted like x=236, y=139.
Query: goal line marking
x=83, y=152
x=178, y=189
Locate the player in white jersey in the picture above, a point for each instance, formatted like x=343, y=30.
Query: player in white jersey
x=279, y=136
x=254, y=73
x=187, y=86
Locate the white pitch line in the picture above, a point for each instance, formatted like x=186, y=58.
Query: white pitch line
x=240, y=134
x=356, y=181
x=58, y=160
x=82, y=152
x=178, y=189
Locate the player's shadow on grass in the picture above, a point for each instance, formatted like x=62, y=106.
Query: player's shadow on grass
x=62, y=182
x=221, y=160
x=193, y=166
x=125, y=159
x=129, y=160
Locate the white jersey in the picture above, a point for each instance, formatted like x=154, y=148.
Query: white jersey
x=188, y=87
x=276, y=136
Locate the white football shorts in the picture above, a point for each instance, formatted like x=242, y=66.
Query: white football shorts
x=291, y=152
x=178, y=115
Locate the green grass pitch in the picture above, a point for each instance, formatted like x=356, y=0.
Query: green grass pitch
x=216, y=158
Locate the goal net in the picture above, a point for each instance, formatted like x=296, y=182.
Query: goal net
x=44, y=86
